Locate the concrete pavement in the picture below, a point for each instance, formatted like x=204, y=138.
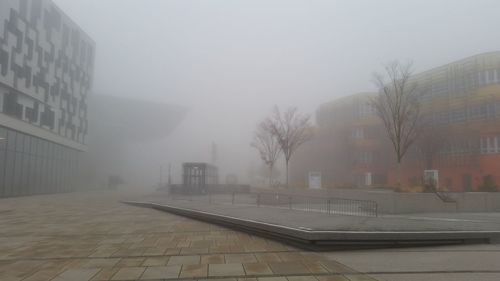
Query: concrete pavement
x=322, y=221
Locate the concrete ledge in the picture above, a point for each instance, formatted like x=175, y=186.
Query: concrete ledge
x=329, y=239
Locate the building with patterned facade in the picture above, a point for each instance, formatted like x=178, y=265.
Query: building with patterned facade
x=46, y=68
x=461, y=139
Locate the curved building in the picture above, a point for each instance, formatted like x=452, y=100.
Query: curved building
x=125, y=139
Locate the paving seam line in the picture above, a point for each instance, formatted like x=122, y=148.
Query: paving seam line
x=151, y=256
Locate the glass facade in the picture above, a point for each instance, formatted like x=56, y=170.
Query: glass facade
x=31, y=165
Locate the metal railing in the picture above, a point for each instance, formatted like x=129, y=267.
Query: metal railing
x=447, y=197
x=326, y=205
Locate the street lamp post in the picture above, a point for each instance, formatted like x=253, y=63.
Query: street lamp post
x=161, y=176
x=169, y=179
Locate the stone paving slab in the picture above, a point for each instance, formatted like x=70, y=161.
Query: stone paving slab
x=213, y=259
x=194, y=270
x=91, y=236
x=76, y=275
x=228, y=269
x=128, y=273
x=440, y=277
x=180, y=260
x=257, y=269
x=162, y=272
x=287, y=268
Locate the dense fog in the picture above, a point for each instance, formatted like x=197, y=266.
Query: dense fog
x=227, y=63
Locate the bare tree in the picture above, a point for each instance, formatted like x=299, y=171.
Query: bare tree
x=268, y=147
x=398, y=105
x=291, y=129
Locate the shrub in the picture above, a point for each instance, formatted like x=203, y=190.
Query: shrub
x=488, y=184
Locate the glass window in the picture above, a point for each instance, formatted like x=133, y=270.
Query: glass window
x=2, y=172
x=477, y=112
x=11, y=140
x=491, y=75
x=34, y=146
x=45, y=173
x=458, y=115
x=52, y=185
x=483, y=146
x=490, y=142
x=39, y=175
x=48, y=150
x=60, y=152
x=45, y=146
x=61, y=169
x=19, y=142
x=27, y=145
x=57, y=171
x=26, y=173
x=40, y=148
x=32, y=174
x=3, y=138
x=358, y=133
x=9, y=172
x=51, y=151
x=18, y=174
x=490, y=109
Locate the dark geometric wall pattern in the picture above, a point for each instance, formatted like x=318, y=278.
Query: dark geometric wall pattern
x=46, y=65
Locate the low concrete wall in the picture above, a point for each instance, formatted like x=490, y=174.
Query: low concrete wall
x=478, y=202
x=390, y=202
x=213, y=188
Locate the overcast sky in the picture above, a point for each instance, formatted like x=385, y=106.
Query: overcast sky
x=231, y=61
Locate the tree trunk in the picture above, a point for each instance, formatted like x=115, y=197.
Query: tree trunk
x=428, y=162
x=270, y=176
x=286, y=174
x=398, y=174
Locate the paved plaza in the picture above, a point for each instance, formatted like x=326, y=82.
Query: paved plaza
x=91, y=236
